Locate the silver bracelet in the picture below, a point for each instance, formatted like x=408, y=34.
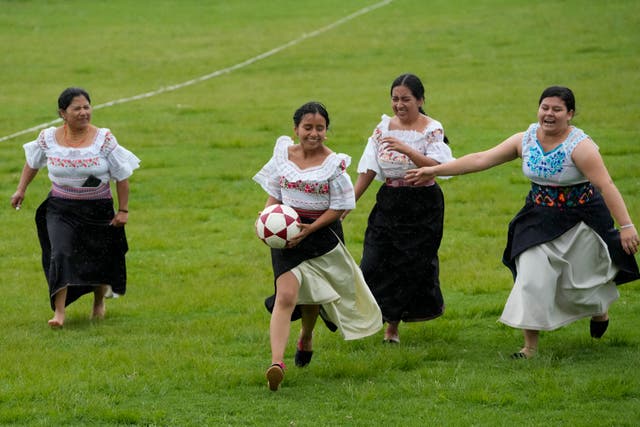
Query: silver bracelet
x=622, y=227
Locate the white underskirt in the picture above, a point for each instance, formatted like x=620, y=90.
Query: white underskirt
x=561, y=281
x=335, y=281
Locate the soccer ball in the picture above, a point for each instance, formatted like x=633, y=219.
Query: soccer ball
x=277, y=224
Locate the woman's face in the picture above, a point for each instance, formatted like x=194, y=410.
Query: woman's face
x=78, y=113
x=311, y=131
x=553, y=115
x=405, y=106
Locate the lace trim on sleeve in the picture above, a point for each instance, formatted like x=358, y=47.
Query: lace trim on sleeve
x=122, y=162
x=109, y=143
x=575, y=137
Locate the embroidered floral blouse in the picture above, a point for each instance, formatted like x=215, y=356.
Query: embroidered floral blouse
x=391, y=164
x=105, y=159
x=554, y=167
x=317, y=188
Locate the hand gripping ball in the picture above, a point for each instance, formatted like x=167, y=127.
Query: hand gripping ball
x=277, y=224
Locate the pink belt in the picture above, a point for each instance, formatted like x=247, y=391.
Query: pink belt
x=306, y=213
x=103, y=191
x=399, y=182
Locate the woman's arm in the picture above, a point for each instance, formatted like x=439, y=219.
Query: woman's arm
x=329, y=216
x=122, y=216
x=589, y=161
x=415, y=156
x=509, y=149
x=272, y=201
x=362, y=183
x=27, y=175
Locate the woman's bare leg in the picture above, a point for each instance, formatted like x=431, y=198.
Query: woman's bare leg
x=530, y=342
x=98, y=302
x=309, y=316
x=59, y=300
x=391, y=333
x=601, y=318
x=280, y=325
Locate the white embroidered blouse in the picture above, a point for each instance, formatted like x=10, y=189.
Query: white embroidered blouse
x=318, y=188
x=555, y=167
x=105, y=159
x=391, y=164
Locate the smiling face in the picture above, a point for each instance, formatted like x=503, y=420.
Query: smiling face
x=311, y=131
x=404, y=104
x=78, y=114
x=553, y=115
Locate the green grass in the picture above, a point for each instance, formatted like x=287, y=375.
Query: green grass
x=188, y=344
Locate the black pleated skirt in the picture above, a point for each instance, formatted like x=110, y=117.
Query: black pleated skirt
x=80, y=250
x=400, y=257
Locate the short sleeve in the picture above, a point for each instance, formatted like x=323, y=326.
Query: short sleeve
x=342, y=195
x=121, y=161
x=269, y=180
x=440, y=152
x=369, y=159
x=35, y=155
x=36, y=151
x=269, y=177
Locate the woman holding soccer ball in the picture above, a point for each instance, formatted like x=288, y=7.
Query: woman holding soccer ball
x=82, y=238
x=314, y=274
x=400, y=257
x=562, y=248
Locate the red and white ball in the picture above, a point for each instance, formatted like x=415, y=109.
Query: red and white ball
x=277, y=225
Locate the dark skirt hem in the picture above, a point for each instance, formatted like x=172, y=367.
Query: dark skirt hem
x=80, y=250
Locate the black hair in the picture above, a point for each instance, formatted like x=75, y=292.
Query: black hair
x=66, y=97
x=561, y=92
x=413, y=83
x=312, y=107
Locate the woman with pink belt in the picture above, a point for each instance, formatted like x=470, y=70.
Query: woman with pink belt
x=400, y=257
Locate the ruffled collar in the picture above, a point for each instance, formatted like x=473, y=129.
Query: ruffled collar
x=49, y=138
x=332, y=166
x=407, y=134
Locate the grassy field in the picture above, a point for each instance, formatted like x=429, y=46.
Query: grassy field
x=188, y=344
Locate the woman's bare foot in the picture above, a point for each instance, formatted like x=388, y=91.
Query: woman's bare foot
x=98, y=302
x=56, y=321
x=525, y=353
x=391, y=333
x=98, y=310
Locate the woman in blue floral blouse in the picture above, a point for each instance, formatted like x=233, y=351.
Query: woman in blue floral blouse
x=565, y=254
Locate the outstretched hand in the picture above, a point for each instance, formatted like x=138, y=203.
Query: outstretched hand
x=420, y=176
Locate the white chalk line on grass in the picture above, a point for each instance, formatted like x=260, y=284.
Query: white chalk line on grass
x=217, y=73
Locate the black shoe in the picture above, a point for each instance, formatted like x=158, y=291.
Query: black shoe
x=303, y=357
x=598, y=329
